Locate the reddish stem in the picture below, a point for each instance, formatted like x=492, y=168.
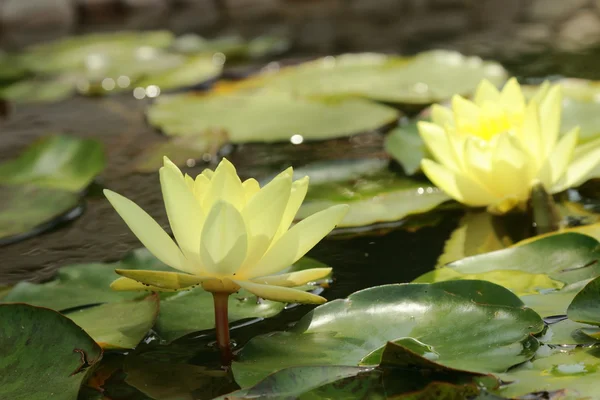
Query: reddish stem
x=221, y=301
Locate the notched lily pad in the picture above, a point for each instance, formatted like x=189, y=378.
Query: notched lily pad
x=266, y=116
x=585, y=307
x=374, y=193
x=443, y=315
x=44, y=354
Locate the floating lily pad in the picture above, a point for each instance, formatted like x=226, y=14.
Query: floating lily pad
x=445, y=316
x=26, y=210
x=118, y=325
x=266, y=116
x=422, y=79
x=44, y=354
x=568, y=332
x=519, y=282
x=373, y=193
x=181, y=151
x=575, y=370
x=57, y=161
x=406, y=146
x=568, y=258
x=555, y=302
x=401, y=375
x=40, y=89
x=585, y=307
x=92, y=50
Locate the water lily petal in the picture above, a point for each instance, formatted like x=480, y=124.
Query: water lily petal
x=457, y=186
x=294, y=278
x=297, y=195
x=147, y=230
x=298, y=241
x=184, y=212
x=437, y=141
x=466, y=114
x=586, y=162
x=123, y=284
x=225, y=185
x=511, y=172
x=550, y=113
x=224, y=243
x=189, y=182
x=486, y=92
x=442, y=116
x=530, y=133
x=282, y=294
x=541, y=92
x=201, y=186
x=512, y=99
x=251, y=187
x=163, y=279
x=562, y=154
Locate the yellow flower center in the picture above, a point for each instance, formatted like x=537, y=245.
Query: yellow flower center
x=491, y=121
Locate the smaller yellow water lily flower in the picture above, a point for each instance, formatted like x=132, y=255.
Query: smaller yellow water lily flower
x=491, y=151
x=230, y=234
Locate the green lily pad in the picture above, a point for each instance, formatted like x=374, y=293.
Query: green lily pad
x=44, y=354
x=567, y=257
x=57, y=161
x=74, y=53
x=118, y=325
x=401, y=374
x=406, y=146
x=266, y=116
x=181, y=150
x=574, y=370
x=373, y=193
x=192, y=311
x=519, y=282
x=423, y=79
x=446, y=316
x=585, y=307
x=554, y=302
x=40, y=90
x=26, y=210
x=567, y=332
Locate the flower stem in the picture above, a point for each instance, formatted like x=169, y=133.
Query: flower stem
x=221, y=301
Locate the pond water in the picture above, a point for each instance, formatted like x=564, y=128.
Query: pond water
x=361, y=258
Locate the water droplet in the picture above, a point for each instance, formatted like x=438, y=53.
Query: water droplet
x=297, y=139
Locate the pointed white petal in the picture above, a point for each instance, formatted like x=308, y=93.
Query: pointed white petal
x=147, y=230
x=184, y=212
x=123, y=284
x=225, y=185
x=224, y=242
x=562, y=154
x=299, y=189
x=457, y=186
x=585, y=165
x=511, y=98
x=163, y=279
x=294, y=278
x=442, y=116
x=437, y=141
x=284, y=295
x=486, y=92
x=550, y=113
x=297, y=241
x=251, y=187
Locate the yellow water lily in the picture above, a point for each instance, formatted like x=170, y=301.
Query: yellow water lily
x=230, y=234
x=489, y=152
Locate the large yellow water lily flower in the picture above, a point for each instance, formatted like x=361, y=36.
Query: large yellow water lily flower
x=491, y=151
x=230, y=234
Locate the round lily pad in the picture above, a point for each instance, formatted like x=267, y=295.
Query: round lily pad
x=266, y=116
x=44, y=354
x=26, y=210
x=585, y=307
x=374, y=193
x=422, y=79
x=447, y=316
